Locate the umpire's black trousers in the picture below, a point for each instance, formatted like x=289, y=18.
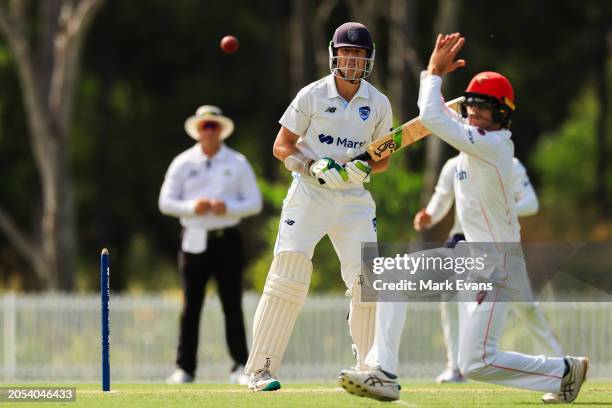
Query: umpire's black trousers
x=223, y=260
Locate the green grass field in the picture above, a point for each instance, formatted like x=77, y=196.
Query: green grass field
x=595, y=393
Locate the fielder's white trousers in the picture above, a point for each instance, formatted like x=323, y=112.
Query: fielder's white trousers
x=480, y=330
x=529, y=312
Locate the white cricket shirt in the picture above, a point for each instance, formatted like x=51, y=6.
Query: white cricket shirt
x=440, y=203
x=328, y=125
x=192, y=175
x=484, y=191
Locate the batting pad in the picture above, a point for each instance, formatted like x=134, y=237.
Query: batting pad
x=283, y=296
x=362, y=321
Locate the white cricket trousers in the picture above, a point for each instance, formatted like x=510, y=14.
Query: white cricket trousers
x=311, y=211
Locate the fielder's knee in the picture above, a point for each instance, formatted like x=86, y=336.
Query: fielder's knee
x=474, y=365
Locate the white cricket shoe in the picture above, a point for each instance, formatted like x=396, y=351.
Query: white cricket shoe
x=371, y=383
x=238, y=376
x=450, y=376
x=571, y=383
x=179, y=376
x=262, y=380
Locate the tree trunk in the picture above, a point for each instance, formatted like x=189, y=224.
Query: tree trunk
x=320, y=37
x=48, y=74
x=402, y=92
x=446, y=22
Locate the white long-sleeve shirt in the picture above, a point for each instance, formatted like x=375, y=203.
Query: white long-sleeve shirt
x=442, y=200
x=483, y=185
x=192, y=175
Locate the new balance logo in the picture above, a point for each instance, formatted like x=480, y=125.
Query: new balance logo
x=330, y=109
x=289, y=222
x=326, y=139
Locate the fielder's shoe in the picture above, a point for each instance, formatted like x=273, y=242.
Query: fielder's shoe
x=371, y=383
x=238, y=376
x=262, y=380
x=179, y=376
x=571, y=383
x=450, y=376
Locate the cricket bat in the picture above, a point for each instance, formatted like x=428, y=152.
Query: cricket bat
x=403, y=136
x=400, y=137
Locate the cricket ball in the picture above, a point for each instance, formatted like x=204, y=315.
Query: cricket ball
x=229, y=44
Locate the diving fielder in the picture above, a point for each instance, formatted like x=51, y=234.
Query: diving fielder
x=526, y=202
x=487, y=212
x=338, y=112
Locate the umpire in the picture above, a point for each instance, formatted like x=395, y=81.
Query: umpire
x=210, y=187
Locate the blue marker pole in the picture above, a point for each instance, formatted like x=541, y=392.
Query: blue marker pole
x=105, y=295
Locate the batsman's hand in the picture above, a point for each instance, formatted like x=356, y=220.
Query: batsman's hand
x=422, y=220
x=442, y=58
x=358, y=171
x=328, y=172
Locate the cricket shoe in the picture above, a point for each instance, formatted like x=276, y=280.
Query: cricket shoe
x=262, y=380
x=450, y=376
x=371, y=383
x=571, y=383
x=238, y=376
x=179, y=376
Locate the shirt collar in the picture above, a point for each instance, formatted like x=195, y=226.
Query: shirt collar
x=332, y=91
x=201, y=157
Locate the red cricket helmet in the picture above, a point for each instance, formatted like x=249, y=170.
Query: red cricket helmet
x=494, y=89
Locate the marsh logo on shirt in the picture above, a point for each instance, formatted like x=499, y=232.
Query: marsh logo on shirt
x=326, y=139
x=344, y=142
x=364, y=112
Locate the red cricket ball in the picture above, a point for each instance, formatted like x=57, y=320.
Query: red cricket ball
x=229, y=44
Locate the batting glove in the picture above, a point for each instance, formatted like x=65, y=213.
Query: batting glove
x=358, y=171
x=328, y=172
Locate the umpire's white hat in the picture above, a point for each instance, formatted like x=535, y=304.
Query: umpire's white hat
x=208, y=113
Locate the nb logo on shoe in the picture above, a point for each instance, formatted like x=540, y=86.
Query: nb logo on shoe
x=330, y=109
x=326, y=139
x=289, y=222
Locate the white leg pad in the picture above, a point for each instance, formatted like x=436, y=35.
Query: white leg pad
x=362, y=322
x=283, y=296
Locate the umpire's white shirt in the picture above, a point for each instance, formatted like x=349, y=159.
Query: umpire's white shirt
x=484, y=192
x=328, y=125
x=192, y=175
x=440, y=203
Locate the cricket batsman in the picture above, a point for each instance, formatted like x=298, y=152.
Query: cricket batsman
x=327, y=196
x=486, y=210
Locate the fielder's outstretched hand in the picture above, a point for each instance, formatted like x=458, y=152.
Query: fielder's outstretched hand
x=442, y=58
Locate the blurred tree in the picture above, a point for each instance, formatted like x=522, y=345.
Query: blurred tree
x=446, y=22
x=46, y=39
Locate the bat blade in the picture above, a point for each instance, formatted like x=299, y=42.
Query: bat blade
x=403, y=136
